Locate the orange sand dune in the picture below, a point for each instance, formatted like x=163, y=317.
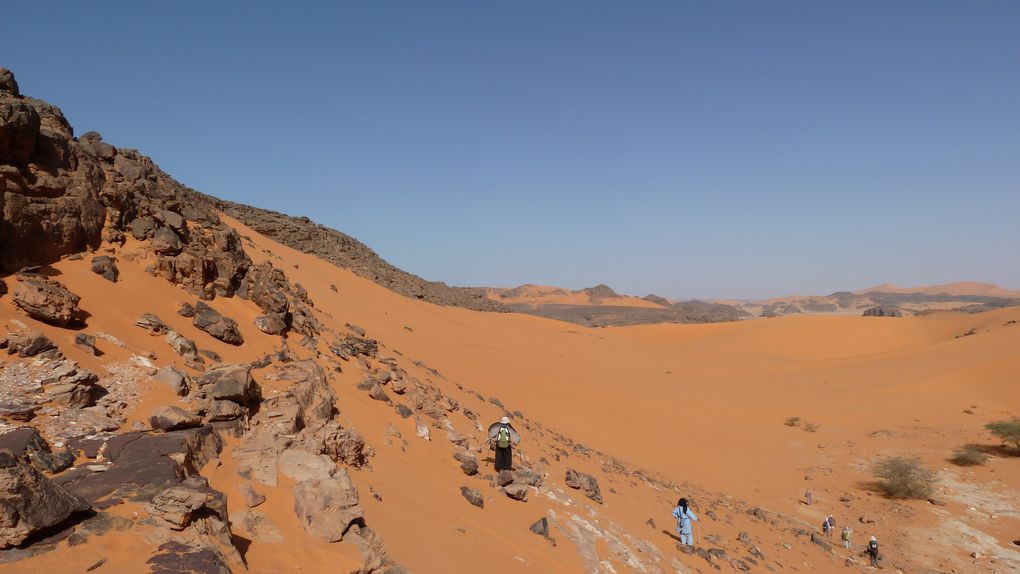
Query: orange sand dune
x=701, y=405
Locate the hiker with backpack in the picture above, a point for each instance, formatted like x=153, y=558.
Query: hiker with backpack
x=684, y=519
x=847, y=531
x=502, y=438
x=828, y=525
x=872, y=552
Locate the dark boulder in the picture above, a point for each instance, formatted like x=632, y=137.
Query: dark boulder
x=167, y=418
x=106, y=266
x=30, y=502
x=46, y=300
x=86, y=343
x=153, y=324
x=166, y=242
x=223, y=328
x=26, y=442
x=229, y=382
x=473, y=496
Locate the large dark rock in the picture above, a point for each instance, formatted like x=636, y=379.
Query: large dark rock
x=143, y=464
x=153, y=324
x=166, y=242
x=473, y=496
x=178, y=558
x=47, y=300
x=106, y=266
x=29, y=502
x=180, y=505
x=26, y=442
x=167, y=418
x=211, y=321
x=229, y=382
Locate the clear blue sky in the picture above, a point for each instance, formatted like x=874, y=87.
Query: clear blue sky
x=690, y=149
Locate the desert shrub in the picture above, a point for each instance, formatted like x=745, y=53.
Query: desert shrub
x=1008, y=431
x=792, y=421
x=968, y=456
x=900, y=477
x=810, y=427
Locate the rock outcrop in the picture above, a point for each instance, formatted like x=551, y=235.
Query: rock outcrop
x=30, y=502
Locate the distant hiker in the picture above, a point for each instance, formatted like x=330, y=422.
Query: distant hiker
x=828, y=525
x=847, y=531
x=684, y=518
x=809, y=498
x=502, y=438
x=873, y=551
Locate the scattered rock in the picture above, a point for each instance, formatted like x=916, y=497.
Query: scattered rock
x=153, y=324
x=179, y=505
x=517, y=491
x=166, y=242
x=175, y=379
x=186, y=310
x=504, y=477
x=586, y=483
x=106, y=266
x=473, y=496
x=167, y=418
x=86, y=343
x=377, y=393
x=541, y=527
x=223, y=328
x=469, y=466
x=224, y=411
x=232, y=381
x=46, y=300
x=26, y=343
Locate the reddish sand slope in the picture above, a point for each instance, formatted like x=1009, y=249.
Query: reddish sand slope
x=699, y=408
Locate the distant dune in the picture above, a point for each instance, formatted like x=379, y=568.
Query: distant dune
x=957, y=288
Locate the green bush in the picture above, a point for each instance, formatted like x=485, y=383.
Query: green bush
x=1008, y=431
x=968, y=456
x=900, y=477
x=792, y=421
